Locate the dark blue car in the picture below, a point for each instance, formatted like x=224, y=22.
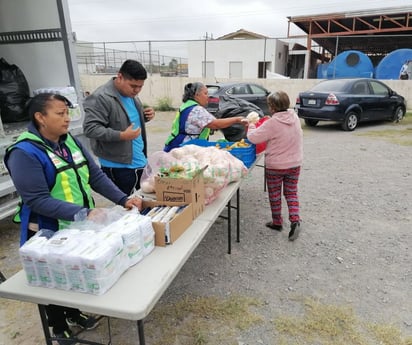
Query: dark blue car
x=349, y=102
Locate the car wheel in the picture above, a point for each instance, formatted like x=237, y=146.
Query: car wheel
x=311, y=123
x=399, y=114
x=351, y=121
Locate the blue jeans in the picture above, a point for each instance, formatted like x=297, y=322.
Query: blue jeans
x=128, y=180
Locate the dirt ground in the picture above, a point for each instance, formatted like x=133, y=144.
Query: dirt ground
x=354, y=248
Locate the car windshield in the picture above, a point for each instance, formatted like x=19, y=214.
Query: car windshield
x=330, y=86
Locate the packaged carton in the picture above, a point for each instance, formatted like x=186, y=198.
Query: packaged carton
x=104, y=263
x=182, y=190
x=168, y=232
x=58, y=248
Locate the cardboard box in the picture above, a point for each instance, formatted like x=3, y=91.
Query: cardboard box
x=186, y=191
x=167, y=233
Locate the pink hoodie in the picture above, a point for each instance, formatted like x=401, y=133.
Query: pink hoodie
x=284, y=140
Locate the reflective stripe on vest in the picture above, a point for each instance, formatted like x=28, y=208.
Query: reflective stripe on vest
x=178, y=126
x=68, y=181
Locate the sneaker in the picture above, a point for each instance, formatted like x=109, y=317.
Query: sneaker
x=65, y=337
x=83, y=321
x=294, y=231
x=276, y=227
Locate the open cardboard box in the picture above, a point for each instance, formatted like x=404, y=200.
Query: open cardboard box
x=167, y=233
x=183, y=190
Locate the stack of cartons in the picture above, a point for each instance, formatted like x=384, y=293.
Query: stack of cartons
x=85, y=260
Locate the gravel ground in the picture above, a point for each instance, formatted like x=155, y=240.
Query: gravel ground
x=354, y=249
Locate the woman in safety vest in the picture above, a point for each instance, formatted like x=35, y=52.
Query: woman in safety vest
x=193, y=121
x=62, y=177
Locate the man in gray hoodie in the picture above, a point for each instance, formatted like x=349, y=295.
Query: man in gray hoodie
x=115, y=124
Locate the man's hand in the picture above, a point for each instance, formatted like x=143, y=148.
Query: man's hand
x=149, y=114
x=130, y=133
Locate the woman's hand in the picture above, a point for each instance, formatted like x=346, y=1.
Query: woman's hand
x=97, y=215
x=243, y=121
x=134, y=201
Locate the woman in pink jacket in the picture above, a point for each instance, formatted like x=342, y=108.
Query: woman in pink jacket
x=283, y=136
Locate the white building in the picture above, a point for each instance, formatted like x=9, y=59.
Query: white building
x=238, y=55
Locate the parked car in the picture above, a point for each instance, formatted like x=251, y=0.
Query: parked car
x=250, y=92
x=350, y=101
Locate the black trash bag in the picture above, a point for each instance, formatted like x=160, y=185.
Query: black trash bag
x=231, y=106
x=14, y=93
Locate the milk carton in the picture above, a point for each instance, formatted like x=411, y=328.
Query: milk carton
x=127, y=227
x=148, y=234
x=29, y=253
x=104, y=262
x=58, y=247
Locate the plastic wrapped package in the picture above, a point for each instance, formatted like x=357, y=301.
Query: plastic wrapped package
x=90, y=258
x=67, y=91
x=73, y=264
x=35, y=252
x=29, y=253
x=137, y=233
x=148, y=234
x=222, y=167
x=58, y=247
x=104, y=263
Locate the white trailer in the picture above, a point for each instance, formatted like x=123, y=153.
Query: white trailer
x=37, y=37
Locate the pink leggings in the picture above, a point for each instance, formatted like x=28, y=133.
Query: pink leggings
x=289, y=178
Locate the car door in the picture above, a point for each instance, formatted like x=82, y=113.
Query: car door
x=362, y=96
x=382, y=103
x=259, y=97
x=241, y=91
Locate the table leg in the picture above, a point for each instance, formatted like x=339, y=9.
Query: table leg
x=109, y=330
x=238, y=215
x=229, y=227
x=45, y=324
x=264, y=177
x=140, y=329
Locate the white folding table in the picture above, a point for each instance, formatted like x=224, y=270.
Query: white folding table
x=137, y=291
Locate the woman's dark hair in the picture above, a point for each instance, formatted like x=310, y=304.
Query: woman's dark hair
x=132, y=69
x=191, y=89
x=278, y=101
x=39, y=103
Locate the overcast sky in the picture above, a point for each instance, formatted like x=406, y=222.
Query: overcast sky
x=141, y=20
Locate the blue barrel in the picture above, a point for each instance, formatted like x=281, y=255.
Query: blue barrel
x=390, y=66
x=350, y=64
x=322, y=69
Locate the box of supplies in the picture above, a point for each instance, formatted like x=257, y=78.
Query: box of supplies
x=169, y=219
x=190, y=190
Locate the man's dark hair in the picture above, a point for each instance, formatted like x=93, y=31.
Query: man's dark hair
x=132, y=69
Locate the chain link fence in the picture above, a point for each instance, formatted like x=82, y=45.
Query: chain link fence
x=171, y=57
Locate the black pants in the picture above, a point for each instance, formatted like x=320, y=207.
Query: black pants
x=56, y=316
x=128, y=180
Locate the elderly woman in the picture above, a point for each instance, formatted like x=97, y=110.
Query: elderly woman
x=193, y=121
x=283, y=136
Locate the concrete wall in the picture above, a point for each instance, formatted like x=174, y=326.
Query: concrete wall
x=157, y=87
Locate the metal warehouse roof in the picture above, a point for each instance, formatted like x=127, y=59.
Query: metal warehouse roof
x=374, y=32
